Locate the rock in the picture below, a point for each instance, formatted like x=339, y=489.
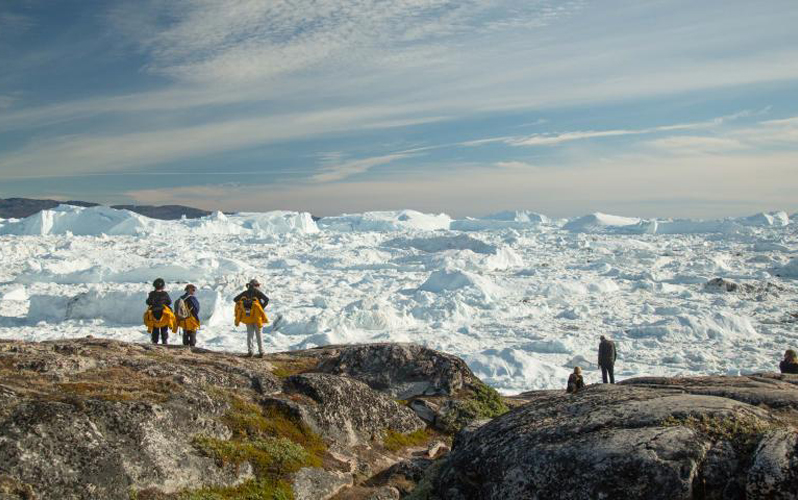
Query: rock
x=314, y=483
x=400, y=370
x=349, y=411
x=638, y=440
x=774, y=472
x=426, y=410
x=385, y=493
x=771, y=389
x=435, y=449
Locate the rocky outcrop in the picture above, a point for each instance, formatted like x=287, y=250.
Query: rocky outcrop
x=93, y=418
x=652, y=438
x=400, y=370
x=348, y=411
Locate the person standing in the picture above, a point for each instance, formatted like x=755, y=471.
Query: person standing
x=790, y=362
x=159, y=317
x=606, y=359
x=250, y=305
x=188, y=315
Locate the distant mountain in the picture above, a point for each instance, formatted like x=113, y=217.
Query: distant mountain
x=18, y=208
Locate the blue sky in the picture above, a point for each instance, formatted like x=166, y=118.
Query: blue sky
x=656, y=108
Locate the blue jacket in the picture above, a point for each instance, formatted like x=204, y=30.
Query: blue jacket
x=192, y=303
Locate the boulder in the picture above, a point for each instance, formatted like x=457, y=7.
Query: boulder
x=645, y=439
x=400, y=370
x=349, y=411
x=315, y=483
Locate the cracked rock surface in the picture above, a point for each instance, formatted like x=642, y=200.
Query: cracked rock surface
x=703, y=437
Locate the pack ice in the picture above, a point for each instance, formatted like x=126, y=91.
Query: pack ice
x=522, y=297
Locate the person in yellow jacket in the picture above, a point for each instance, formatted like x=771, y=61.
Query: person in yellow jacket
x=249, y=310
x=159, y=318
x=191, y=323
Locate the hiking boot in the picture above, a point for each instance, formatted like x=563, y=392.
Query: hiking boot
x=260, y=355
x=249, y=355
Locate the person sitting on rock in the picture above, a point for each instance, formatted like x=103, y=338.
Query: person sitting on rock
x=249, y=310
x=575, y=381
x=606, y=359
x=159, y=317
x=790, y=362
x=190, y=323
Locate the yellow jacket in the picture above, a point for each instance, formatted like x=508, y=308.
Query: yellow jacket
x=256, y=315
x=167, y=319
x=190, y=324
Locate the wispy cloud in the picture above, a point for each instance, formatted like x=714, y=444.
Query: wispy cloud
x=696, y=144
x=551, y=139
x=338, y=170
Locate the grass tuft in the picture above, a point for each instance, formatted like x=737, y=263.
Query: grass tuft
x=481, y=402
x=284, y=368
x=395, y=441
x=273, y=443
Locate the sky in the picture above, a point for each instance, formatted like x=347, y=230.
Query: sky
x=662, y=108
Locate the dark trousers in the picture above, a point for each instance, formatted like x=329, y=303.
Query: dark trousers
x=190, y=337
x=605, y=370
x=163, y=333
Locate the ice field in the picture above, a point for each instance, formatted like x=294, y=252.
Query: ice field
x=521, y=297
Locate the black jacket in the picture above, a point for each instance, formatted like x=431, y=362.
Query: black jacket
x=786, y=367
x=157, y=299
x=606, y=354
x=253, y=293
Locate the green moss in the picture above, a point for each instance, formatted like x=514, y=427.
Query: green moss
x=263, y=489
x=395, y=441
x=273, y=443
x=268, y=455
x=489, y=403
x=249, y=421
x=742, y=431
x=284, y=368
x=481, y=402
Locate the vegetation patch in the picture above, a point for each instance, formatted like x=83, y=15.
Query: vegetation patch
x=263, y=489
x=284, y=368
x=744, y=432
x=273, y=443
x=481, y=402
x=395, y=441
x=268, y=456
x=119, y=384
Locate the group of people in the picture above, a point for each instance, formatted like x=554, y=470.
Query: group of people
x=606, y=361
x=159, y=317
x=607, y=356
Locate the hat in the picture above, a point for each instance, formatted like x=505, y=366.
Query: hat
x=158, y=283
x=253, y=282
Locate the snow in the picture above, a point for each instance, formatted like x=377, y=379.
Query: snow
x=523, y=299
x=598, y=222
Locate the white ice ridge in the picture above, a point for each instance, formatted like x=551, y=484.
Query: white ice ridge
x=521, y=297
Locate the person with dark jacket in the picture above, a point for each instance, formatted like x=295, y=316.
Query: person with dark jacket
x=606, y=359
x=251, y=294
x=157, y=300
x=790, y=362
x=191, y=324
x=575, y=381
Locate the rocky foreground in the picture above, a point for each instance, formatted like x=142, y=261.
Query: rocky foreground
x=91, y=418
